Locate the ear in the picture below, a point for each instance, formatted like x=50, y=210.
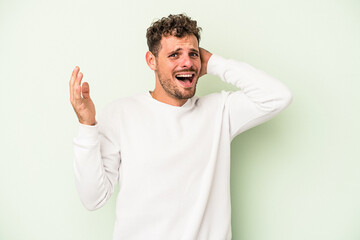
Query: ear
x=150, y=60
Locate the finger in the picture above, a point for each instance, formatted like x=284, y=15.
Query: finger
x=72, y=80
x=77, y=87
x=85, y=90
x=78, y=78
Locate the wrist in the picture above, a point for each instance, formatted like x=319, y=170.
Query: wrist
x=88, y=122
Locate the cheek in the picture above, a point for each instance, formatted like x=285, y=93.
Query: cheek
x=167, y=70
x=165, y=67
x=171, y=68
x=198, y=64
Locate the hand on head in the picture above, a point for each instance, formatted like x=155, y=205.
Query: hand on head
x=204, y=56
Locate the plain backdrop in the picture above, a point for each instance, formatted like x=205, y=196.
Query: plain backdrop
x=295, y=177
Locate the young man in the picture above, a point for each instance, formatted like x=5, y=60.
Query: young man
x=168, y=149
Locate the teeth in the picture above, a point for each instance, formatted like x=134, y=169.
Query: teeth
x=184, y=75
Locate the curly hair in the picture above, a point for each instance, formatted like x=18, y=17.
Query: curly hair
x=178, y=25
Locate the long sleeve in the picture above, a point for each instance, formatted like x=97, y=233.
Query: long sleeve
x=259, y=99
x=97, y=162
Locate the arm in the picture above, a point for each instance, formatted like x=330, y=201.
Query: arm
x=96, y=163
x=259, y=99
x=97, y=155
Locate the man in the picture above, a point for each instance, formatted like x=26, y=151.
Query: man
x=168, y=149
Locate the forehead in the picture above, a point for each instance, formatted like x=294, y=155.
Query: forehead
x=171, y=43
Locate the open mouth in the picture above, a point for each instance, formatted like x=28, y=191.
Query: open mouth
x=185, y=79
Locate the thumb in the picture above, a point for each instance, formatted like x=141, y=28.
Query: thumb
x=85, y=90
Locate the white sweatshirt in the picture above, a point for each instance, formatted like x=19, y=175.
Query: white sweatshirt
x=173, y=163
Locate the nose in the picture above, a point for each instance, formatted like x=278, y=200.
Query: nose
x=186, y=61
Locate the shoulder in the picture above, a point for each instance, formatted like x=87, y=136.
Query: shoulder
x=213, y=99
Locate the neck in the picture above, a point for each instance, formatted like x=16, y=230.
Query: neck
x=163, y=97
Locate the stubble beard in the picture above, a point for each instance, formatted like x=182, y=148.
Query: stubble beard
x=173, y=90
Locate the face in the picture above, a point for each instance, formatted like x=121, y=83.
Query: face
x=177, y=67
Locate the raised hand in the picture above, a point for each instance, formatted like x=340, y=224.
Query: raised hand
x=204, y=56
x=80, y=98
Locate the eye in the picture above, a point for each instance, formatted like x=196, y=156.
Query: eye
x=194, y=54
x=173, y=55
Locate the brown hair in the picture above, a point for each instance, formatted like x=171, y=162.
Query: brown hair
x=178, y=25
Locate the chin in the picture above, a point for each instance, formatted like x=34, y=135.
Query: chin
x=186, y=95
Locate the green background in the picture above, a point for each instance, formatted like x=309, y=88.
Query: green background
x=295, y=177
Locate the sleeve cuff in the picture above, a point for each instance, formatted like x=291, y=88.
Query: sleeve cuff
x=88, y=132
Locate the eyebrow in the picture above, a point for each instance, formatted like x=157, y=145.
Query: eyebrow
x=179, y=49
x=194, y=50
